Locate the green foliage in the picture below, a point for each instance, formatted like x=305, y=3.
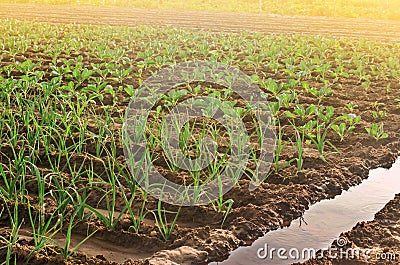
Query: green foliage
x=342, y=129
x=377, y=131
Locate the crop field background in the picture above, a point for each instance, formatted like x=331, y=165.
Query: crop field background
x=376, y=9
x=66, y=194
x=383, y=30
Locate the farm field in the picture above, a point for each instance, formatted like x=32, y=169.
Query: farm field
x=66, y=193
x=214, y=21
x=374, y=9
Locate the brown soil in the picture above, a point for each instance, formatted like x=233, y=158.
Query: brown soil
x=354, y=28
x=199, y=237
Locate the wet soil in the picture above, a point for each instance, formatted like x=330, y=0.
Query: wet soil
x=381, y=236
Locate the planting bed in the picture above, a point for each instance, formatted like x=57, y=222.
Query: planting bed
x=64, y=92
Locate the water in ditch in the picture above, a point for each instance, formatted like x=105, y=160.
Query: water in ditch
x=326, y=220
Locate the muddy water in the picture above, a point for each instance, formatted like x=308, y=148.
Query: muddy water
x=323, y=222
